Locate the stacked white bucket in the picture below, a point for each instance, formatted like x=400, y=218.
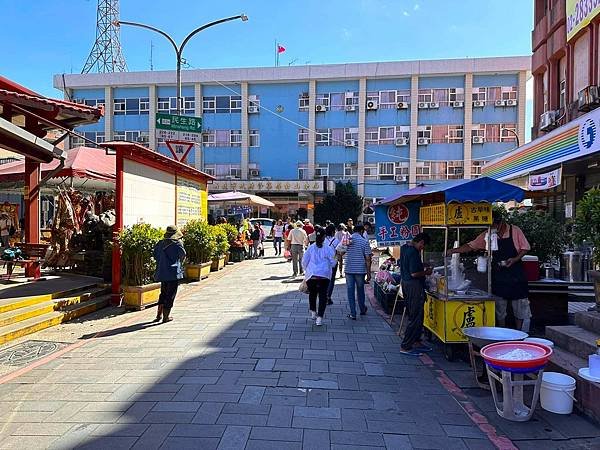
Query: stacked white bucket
x=557, y=393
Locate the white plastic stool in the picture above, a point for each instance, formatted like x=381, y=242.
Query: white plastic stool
x=512, y=405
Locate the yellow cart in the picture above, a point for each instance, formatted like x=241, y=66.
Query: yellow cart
x=448, y=311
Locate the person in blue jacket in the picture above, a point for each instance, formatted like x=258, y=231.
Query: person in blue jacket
x=169, y=255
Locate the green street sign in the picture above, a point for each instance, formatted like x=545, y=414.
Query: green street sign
x=172, y=122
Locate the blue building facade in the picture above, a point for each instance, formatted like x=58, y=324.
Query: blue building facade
x=288, y=133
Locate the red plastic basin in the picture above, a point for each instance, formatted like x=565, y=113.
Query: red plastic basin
x=494, y=352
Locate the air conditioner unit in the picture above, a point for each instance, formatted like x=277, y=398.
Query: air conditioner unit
x=423, y=105
x=548, y=121
x=434, y=105
x=401, y=105
x=371, y=219
x=457, y=104
x=350, y=107
x=254, y=172
x=478, y=140
x=320, y=108
x=500, y=103
x=372, y=105
x=401, y=178
x=350, y=143
x=423, y=141
x=511, y=103
x=401, y=142
x=588, y=98
x=253, y=109
x=478, y=104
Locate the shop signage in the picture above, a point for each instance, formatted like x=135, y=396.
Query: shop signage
x=170, y=127
x=544, y=181
x=574, y=140
x=579, y=15
x=469, y=213
x=396, y=224
x=569, y=210
x=295, y=187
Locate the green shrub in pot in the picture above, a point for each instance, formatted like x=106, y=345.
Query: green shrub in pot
x=546, y=235
x=230, y=230
x=587, y=223
x=199, y=241
x=137, y=244
x=221, y=241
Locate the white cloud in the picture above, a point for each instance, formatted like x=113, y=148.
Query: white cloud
x=416, y=7
x=406, y=13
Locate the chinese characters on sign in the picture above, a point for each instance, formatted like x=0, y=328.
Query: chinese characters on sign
x=189, y=205
x=170, y=127
x=269, y=186
x=469, y=214
x=396, y=224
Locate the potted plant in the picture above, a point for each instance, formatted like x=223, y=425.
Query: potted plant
x=232, y=234
x=137, y=244
x=587, y=228
x=221, y=248
x=199, y=243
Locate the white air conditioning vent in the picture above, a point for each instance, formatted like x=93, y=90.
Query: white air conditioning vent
x=350, y=143
x=401, y=178
x=401, y=105
x=423, y=105
x=423, y=141
x=458, y=104
x=401, y=142
x=434, y=105
x=548, y=121
x=253, y=109
x=350, y=107
x=254, y=172
x=320, y=108
x=500, y=103
x=372, y=105
x=511, y=103
x=478, y=140
x=478, y=104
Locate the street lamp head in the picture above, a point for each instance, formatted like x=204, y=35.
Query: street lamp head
x=116, y=23
x=244, y=18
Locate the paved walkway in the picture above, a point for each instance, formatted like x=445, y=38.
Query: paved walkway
x=241, y=366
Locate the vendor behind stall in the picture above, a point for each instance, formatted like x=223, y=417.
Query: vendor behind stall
x=508, y=274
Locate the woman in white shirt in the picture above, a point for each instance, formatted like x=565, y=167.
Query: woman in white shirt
x=318, y=262
x=340, y=234
x=277, y=231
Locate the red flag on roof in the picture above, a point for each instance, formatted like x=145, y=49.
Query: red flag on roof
x=280, y=48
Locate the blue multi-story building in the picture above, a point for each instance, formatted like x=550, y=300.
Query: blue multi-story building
x=288, y=132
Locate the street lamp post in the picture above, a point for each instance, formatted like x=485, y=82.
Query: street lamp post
x=179, y=49
x=514, y=133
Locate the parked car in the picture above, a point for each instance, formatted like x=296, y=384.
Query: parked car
x=267, y=225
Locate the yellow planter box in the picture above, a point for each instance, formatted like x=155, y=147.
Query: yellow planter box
x=197, y=272
x=217, y=264
x=140, y=297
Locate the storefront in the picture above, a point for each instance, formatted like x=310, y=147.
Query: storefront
x=564, y=164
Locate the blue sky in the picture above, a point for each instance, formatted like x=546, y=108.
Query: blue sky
x=313, y=31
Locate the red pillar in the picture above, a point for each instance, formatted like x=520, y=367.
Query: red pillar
x=116, y=255
x=32, y=209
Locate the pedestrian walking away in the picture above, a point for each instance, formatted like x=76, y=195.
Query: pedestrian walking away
x=332, y=242
x=358, y=267
x=169, y=254
x=318, y=262
x=341, y=234
x=413, y=275
x=277, y=231
x=297, y=239
x=255, y=237
x=509, y=282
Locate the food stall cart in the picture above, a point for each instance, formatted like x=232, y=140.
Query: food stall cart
x=459, y=293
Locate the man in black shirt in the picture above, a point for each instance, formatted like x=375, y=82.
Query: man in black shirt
x=413, y=288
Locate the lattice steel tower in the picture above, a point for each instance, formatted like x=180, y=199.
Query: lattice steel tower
x=106, y=55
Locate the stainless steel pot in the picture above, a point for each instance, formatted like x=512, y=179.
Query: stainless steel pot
x=571, y=268
x=482, y=336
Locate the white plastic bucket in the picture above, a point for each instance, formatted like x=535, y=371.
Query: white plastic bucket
x=546, y=342
x=556, y=393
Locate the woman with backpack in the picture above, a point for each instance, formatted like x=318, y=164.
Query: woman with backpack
x=318, y=262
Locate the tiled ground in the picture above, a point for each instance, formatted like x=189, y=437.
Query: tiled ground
x=242, y=366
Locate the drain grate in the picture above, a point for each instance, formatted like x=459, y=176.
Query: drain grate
x=28, y=351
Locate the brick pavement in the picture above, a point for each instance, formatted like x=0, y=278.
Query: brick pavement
x=241, y=366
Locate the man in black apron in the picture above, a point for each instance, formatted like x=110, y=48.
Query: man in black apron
x=508, y=274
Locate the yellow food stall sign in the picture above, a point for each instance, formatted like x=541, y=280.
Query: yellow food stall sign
x=469, y=214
